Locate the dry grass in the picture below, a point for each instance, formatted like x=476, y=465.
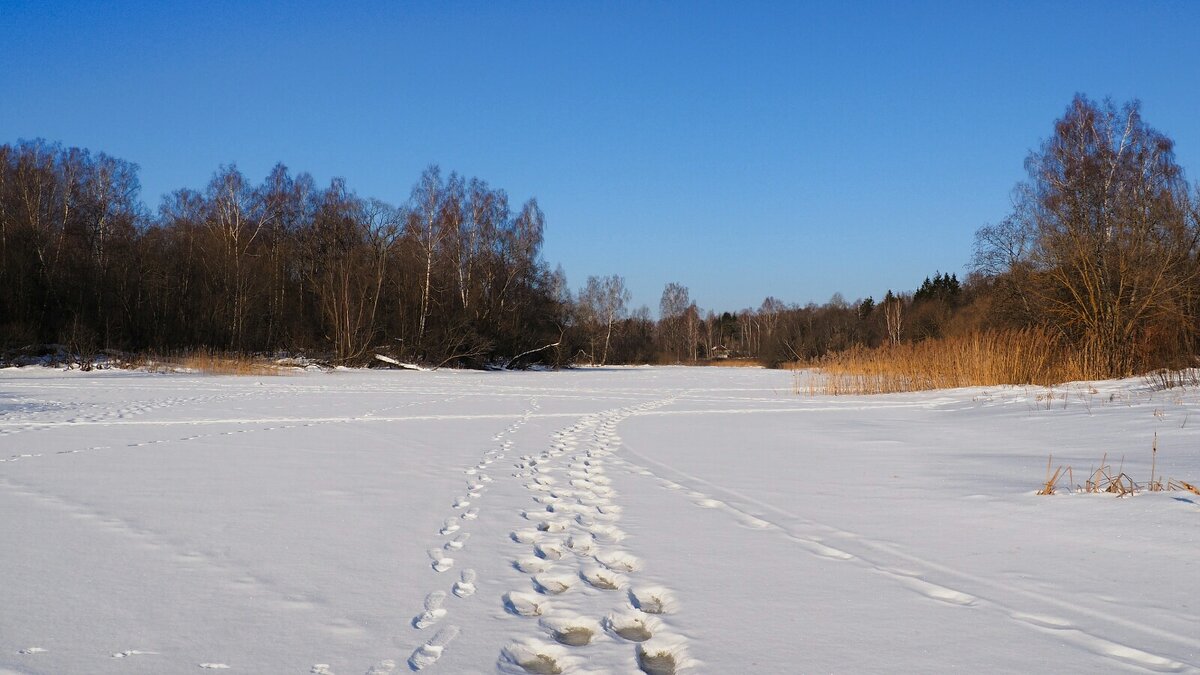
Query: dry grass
x=1050, y=486
x=1031, y=356
x=1164, y=378
x=212, y=363
x=1111, y=481
x=733, y=363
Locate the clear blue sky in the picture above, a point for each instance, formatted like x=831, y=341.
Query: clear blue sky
x=743, y=150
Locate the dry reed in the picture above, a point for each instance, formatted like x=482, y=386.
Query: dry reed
x=1112, y=481
x=1031, y=356
x=212, y=363
x=734, y=363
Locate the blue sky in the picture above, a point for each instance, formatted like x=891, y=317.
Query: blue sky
x=742, y=149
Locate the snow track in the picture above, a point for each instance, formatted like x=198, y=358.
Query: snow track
x=578, y=567
x=1008, y=598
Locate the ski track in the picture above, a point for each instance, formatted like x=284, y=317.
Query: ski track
x=234, y=576
x=121, y=419
x=1038, y=609
x=105, y=414
x=237, y=576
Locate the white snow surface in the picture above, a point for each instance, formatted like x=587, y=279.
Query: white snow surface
x=599, y=520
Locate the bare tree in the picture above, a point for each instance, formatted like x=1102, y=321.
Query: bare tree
x=350, y=246
x=288, y=205
x=673, y=321
x=1100, y=241
x=893, y=315
x=603, y=302
x=427, y=224
x=232, y=222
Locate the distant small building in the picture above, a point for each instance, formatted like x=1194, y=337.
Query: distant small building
x=720, y=352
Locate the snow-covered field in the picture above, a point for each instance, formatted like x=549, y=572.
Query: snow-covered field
x=465, y=522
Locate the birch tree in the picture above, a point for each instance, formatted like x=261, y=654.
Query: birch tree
x=604, y=301
x=427, y=226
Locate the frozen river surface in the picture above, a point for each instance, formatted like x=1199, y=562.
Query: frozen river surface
x=592, y=521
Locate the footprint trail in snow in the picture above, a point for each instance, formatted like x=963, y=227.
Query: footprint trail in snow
x=571, y=551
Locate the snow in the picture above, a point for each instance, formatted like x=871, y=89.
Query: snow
x=597, y=520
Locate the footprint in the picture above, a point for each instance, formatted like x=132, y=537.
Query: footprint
x=607, y=533
x=652, y=599
x=568, y=509
x=434, y=611
x=470, y=514
x=531, y=565
x=320, y=669
x=524, y=604
x=661, y=657
x=461, y=503
x=428, y=653
x=548, y=551
x=604, y=579
x=534, y=657
x=466, y=585
x=130, y=652
x=553, y=584
x=440, y=562
x=632, y=626
x=525, y=536
x=449, y=527
x=552, y=526
x=31, y=650
x=582, y=544
x=605, y=516
x=573, y=632
x=619, y=561
x=214, y=666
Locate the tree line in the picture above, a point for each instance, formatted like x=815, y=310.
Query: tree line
x=1102, y=249
x=1101, y=253
x=454, y=274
